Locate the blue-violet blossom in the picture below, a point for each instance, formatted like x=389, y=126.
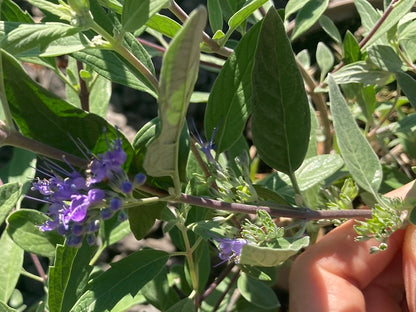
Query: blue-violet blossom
x=230, y=249
x=77, y=204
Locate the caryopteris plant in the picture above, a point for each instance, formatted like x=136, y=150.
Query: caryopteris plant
x=295, y=138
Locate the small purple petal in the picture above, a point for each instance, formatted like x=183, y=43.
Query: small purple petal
x=230, y=249
x=106, y=213
x=74, y=241
x=140, y=178
x=95, y=196
x=91, y=239
x=116, y=203
x=126, y=187
x=77, y=229
x=78, y=207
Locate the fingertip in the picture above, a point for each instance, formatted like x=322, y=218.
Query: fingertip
x=409, y=266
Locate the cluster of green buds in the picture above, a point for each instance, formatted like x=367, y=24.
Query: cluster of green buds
x=388, y=217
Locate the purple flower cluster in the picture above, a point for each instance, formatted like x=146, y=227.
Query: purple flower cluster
x=230, y=249
x=77, y=204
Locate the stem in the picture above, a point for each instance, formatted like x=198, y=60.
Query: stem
x=39, y=267
x=392, y=109
x=215, y=283
x=376, y=27
x=32, y=276
x=163, y=50
x=182, y=16
x=378, y=24
x=320, y=104
x=221, y=298
x=118, y=47
x=273, y=210
x=294, y=183
x=83, y=91
x=97, y=255
x=14, y=138
x=192, y=268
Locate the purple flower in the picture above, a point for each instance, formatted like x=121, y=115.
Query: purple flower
x=206, y=147
x=80, y=203
x=230, y=249
x=76, y=205
x=106, y=165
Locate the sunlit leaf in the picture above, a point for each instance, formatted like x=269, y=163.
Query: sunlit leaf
x=281, y=116
x=360, y=159
x=178, y=76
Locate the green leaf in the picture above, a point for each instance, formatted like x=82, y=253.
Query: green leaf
x=9, y=195
x=142, y=218
x=125, y=278
x=316, y=169
x=113, y=230
x=18, y=38
x=257, y=292
x=37, y=111
x=13, y=13
x=209, y=229
x=324, y=58
x=55, y=9
x=294, y=6
x=314, y=135
x=10, y=266
x=110, y=66
x=23, y=228
x=281, y=117
x=164, y=25
x=20, y=168
x=308, y=15
x=135, y=14
x=61, y=46
x=178, y=76
x=159, y=293
x=361, y=72
x=360, y=159
x=229, y=103
x=241, y=15
x=68, y=276
x=350, y=48
x=385, y=58
x=5, y=308
x=185, y=305
x=329, y=27
x=99, y=97
x=408, y=85
x=269, y=257
x=369, y=16
x=401, y=8
x=215, y=15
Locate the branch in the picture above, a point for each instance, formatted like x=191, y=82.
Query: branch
x=274, y=210
x=182, y=16
x=14, y=138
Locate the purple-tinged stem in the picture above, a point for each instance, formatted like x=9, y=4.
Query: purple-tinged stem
x=16, y=139
x=163, y=50
x=39, y=267
x=215, y=283
x=274, y=210
x=363, y=42
x=232, y=281
x=182, y=16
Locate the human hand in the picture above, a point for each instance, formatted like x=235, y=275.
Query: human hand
x=339, y=274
